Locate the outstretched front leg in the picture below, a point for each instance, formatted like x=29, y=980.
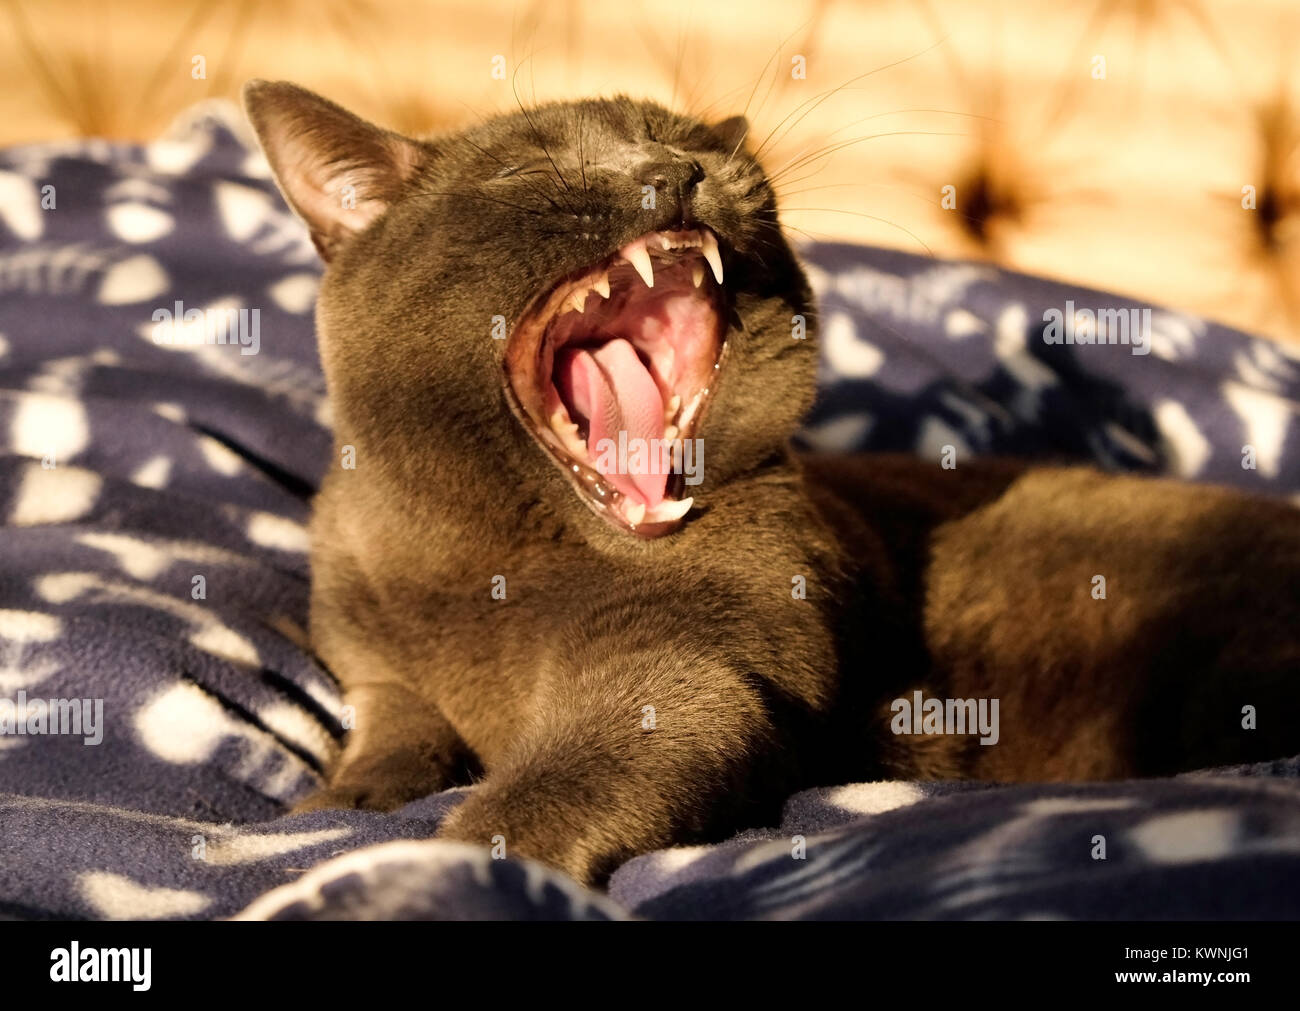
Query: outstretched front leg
x=639, y=739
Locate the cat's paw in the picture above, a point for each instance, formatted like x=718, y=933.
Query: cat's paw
x=378, y=784
x=525, y=830
x=356, y=797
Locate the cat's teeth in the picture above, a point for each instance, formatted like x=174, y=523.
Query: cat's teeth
x=689, y=413
x=635, y=254
x=670, y=433
x=566, y=431
x=634, y=512
x=668, y=510
x=674, y=405
x=697, y=274
x=577, y=301
x=552, y=438
x=712, y=255
x=687, y=239
x=601, y=285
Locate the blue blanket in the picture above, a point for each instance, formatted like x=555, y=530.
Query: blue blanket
x=159, y=708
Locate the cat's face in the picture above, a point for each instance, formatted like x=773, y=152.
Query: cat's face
x=587, y=301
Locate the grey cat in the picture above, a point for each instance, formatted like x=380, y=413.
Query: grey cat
x=534, y=576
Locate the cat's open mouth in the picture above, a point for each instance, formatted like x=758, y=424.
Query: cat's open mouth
x=611, y=370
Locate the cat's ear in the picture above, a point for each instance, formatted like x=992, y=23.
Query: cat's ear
x=732, y=132
x=337, y=171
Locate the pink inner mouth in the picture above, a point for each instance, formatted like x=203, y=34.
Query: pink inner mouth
x=608, y=390
x=606, y=359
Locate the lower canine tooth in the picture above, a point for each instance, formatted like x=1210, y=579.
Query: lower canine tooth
x=666, y=511
x=697, y=274
x=635, y=254
x=635, y=512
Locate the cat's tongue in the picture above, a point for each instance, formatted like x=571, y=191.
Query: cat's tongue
x=616, y=393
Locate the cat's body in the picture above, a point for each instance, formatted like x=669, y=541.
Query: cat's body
x=631, y=669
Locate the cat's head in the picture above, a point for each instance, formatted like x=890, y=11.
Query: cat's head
x=557, y=305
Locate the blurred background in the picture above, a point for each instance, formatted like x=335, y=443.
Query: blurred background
x=1148, y=147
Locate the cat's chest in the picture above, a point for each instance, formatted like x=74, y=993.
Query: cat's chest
x=482, y=651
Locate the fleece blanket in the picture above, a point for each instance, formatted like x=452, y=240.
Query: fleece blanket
x=160, y=708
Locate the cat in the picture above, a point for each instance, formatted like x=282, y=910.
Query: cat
x=628, y=650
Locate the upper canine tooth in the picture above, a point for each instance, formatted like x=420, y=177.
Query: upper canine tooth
x=697, y=273
x=711, y=254
x=601, y=285
x=635, y=254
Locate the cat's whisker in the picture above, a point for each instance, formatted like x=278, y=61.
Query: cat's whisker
x=902, y=112
x=761, y=74
x=480, y=196
x=903, y=190
x=860, y=214
x=582, y=157
x=817, y=100
x=830, y=149
x=541, y=193
x=537, y=136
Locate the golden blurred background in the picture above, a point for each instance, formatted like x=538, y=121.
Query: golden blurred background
x=1148, y=147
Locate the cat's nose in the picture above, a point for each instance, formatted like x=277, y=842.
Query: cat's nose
x=675, y=177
